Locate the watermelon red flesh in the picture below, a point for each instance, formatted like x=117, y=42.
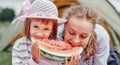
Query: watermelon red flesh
x=54, y=45
x=59, y=48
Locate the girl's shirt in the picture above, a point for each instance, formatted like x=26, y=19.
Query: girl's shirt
x=21, y=54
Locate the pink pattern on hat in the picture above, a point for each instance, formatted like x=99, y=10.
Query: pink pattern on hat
x=26, y=7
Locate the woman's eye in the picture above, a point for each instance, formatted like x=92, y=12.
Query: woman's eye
x=83, y=36
x=72, y=33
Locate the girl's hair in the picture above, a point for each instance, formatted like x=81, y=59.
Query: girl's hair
x=27, y=24
x=81, y=11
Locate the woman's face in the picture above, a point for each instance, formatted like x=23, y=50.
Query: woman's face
x=78, y=31
x=40, y=30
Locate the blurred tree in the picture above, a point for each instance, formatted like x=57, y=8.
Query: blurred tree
x=7, y=14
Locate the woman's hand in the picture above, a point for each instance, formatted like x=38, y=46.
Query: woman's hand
x=74, y=60
x=35, y=52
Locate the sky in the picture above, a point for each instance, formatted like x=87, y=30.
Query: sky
x=13, y=4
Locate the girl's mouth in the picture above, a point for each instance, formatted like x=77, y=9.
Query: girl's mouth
x=38, y=38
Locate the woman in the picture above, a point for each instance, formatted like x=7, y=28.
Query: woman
x=82, y=28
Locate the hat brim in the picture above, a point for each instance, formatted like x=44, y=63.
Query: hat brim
x=59, y=20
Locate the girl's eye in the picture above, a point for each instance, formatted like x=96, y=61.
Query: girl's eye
x=46, y=29
x=35, y=26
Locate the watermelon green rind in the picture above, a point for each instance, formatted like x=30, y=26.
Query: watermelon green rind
x=52, y=57
x=60, y=55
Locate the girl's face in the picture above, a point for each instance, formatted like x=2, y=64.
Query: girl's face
x=40, y=30
x=78, y=30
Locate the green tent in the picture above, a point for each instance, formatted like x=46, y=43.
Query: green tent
x=109, y=10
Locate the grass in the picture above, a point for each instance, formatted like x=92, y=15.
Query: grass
x=5, y=58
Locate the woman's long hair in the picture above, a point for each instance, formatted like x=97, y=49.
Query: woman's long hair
x=81, y=11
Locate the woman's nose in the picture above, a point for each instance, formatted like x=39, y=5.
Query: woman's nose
x=76, y=39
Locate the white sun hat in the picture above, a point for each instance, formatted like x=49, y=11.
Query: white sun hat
x=41, y=9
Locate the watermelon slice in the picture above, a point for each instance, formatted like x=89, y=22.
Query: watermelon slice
x=58, y=50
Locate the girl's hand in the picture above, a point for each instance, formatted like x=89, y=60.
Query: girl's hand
x=35, y=52
x=73, y=61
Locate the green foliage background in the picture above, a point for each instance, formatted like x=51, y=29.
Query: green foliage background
x=7, y=14
x=5, y=58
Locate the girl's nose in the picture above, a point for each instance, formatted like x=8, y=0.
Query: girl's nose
x=40, y=36
x=39, y=33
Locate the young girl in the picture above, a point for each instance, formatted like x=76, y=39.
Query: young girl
x=40, y=23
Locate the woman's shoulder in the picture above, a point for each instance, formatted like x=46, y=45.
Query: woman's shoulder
x=100, y=31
